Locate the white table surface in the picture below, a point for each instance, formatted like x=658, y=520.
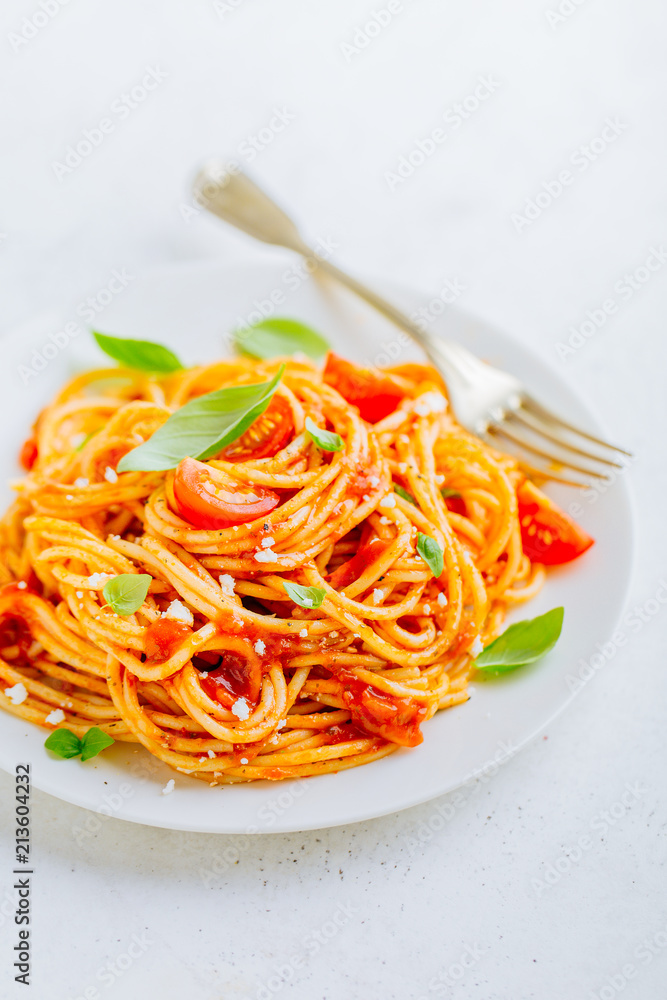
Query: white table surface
x=396, y=902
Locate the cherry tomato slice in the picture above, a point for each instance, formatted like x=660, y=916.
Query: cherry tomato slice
x=548, y=534
x=207, y=499
x=266, y=437
x=375, y=396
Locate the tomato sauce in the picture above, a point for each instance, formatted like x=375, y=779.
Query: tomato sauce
x=346, y=731
x=394, y=719
x=235, y=678
x=163, y=637
x=349, y=571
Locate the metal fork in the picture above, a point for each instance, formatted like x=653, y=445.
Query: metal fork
x=488, y=402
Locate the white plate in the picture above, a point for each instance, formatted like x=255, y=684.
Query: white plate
x=191, y=308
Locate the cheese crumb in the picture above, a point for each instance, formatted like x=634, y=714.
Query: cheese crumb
x=439, y=479
x=260, y=647
x=56, y=716
x=202, y=759
x=178, y=612
x=69, y=496
x=442, y=600
x=97, y=580
x=22, y=585
x=402, y=467
x=235, y=527
x=268, y=543
x=427, y=609
x=266, y=556
x=388, y=501
x=476, y=647
x=244, y=760
x=430, y=402
x=303, y=633
x=81, y=482
x=384, y=520
x=378, y=594
x=169, y=787
x=211, y=753
x=17, y=694
x=365, y=497
x=241, y=709
x=227, y=583
x=374, y=481
x=79, y=594
x=110, y=475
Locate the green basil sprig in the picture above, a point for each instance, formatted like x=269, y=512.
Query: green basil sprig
x=431, y=553
x=404, y=494
x=325, y=440
x=305, y=597
x=448, y=494
x=202, y=427
x=127, y=592
x=64, y=743
x=521, y=643
x=272, y=338
x=143, y=355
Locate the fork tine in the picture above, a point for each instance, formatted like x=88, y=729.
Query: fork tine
x=538, y=427
x=501, y=430
x=533, y=406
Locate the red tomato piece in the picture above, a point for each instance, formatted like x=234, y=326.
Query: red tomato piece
x=548, y=534
x=28, y=454
x=394, y=719
x=374, y=395
x=206, y=499
x=266, y=436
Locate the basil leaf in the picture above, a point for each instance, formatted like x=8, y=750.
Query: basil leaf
x=202, y=427
x=325, y=440
x=94, y=741
x=305, y=597
x=273, y=337
x=450, y=494
x=64, y=743
x=143, y=355
x=404, y=493
x=127, y=592
x=521, y=643
x=431, y=553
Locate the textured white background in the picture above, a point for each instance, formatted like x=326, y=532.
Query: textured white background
x=476, y=884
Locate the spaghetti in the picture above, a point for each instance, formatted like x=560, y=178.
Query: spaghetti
x=219, y=673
